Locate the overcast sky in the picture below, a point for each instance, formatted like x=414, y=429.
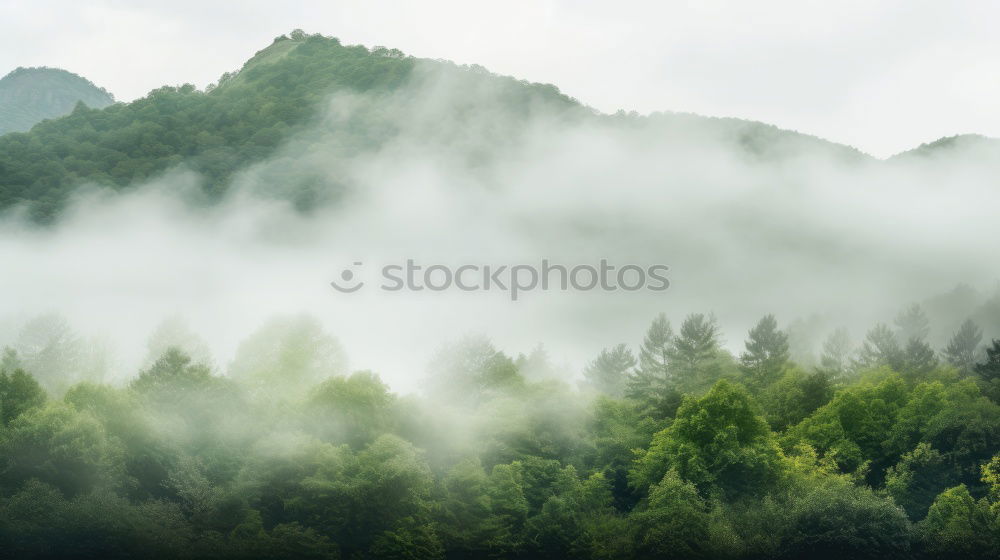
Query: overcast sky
x=881, y=76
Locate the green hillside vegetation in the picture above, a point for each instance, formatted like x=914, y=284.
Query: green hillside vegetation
x=29, y=96
x=677, y=450
x=277, y=96
x=241, y=120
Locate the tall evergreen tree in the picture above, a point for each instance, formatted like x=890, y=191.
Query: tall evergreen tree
x=912, y=323
x=694, y=349
x=609, y=371
x=836, y=353
x=918, y=357
x=653, y=354
x=880, y=348
x=766, y=353
x=961, y=349
x=989, y=369
x=651, y=384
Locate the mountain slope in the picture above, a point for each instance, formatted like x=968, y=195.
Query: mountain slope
x=31, y=95
x=952, y=146
x=283, y=92
x=216, y=132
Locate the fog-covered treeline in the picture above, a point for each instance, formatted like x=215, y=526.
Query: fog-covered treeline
x=666, y=447
x=585, y=425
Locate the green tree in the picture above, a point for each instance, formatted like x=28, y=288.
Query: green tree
x=353, y=410
x=836, y=353
x=472, y=371
x=19, y=392
x=962, y=349
x=918, y=358
x=912, y=324
x=694, y=352
x=766, y=353
x=918, y=478
x=719, y=441
x=959, y=526
x=880, y=348
x=609, y=372
x=654, y=354
x=286, y=356
x=989, y=372
x=674, y=523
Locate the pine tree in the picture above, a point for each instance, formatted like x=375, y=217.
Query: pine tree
x=655, y=347
x=652, y=384
x=912, y=323
x=961, y=350
x=693, y=350
x=989, y=369
x=766, y=353
x=609, y=372
x=836, y=353
x=918, y=357
x=880, y=348
x=652, y=374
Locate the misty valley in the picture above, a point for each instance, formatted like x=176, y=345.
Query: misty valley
x=200, y=359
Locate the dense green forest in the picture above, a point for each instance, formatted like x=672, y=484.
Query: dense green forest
x=278, y=97
x=238, y=121
x=671, y=447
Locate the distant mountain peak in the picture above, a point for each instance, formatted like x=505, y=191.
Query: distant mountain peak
x=31, y=95
x=951, y=145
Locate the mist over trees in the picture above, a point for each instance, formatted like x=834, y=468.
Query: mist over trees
x=687, y=451
x=815, y=431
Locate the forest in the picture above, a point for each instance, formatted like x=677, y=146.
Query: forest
x=241, y=119
x=797, y=439
x=668, y=447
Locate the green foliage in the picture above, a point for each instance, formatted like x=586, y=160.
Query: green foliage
x=610, y=369
x=718, y=442
x=286, y=355
x=696, y=360
x=354, y=410
x=766, y=353
x=19, y=392
x=962, y=349
x=957, y=525
x=31, y=95
x=879, y=349
x=61, y=446
x=244, y=119
x=917, y=479
x=675, y=521
x=835, y=519
x=184, y=463
x=795, y=396
x=473, y=371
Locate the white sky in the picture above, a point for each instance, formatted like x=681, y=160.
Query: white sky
x=882, y=76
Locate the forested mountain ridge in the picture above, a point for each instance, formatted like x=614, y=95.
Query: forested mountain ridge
x=251, y=112
x=214, y=132
x=31, y=95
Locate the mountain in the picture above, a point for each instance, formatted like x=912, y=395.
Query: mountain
x=31, y=95
x=280, y=96
x=952, y=146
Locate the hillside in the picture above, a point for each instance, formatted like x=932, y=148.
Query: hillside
x=281, y=93
x=952, y=146
x=31, y=95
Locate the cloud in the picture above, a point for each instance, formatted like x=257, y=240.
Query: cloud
x=466, y=175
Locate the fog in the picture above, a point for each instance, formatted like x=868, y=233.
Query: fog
x=453, y=175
